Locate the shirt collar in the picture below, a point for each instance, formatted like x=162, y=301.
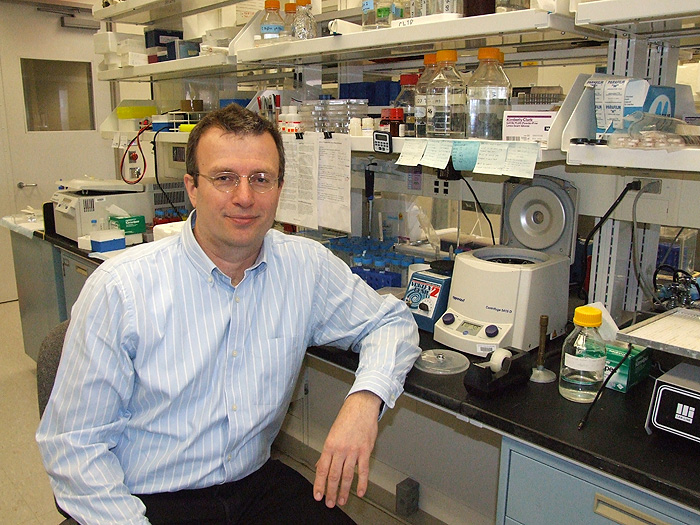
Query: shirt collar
x=202, y=261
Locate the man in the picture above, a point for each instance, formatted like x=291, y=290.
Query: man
x=181, y=357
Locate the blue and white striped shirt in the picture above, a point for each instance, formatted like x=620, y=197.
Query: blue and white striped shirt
x=172, y=378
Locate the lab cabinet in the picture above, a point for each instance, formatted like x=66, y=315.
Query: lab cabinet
x=39, y=289
x=74, y=271
x=539, y=488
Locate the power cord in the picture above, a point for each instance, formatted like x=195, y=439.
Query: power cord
x=634, y=185
x=136, y=139
x=481, y=208
x=584, y=419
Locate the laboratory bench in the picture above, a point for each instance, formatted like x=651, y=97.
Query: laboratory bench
x=613, y=445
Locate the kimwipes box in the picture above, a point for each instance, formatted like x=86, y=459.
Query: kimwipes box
x=528, y=126
x=675, y=403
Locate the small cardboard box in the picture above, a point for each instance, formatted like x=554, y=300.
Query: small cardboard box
x=529, y=126
x=129, y=225
x=635, y=368
x=160, y=37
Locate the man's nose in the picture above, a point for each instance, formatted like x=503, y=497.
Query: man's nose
x=243, y=194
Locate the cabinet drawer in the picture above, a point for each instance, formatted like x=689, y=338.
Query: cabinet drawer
x=543, y=489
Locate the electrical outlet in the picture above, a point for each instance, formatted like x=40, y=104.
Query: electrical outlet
x=442, y=189
x=655, y=189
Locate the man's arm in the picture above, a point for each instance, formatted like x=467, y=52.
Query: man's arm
x=85, y=414
x=349, y=444
x=384, y=333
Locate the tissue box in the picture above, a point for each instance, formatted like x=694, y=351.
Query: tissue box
x=635, y=368
x=129, y=225
x=107, y=240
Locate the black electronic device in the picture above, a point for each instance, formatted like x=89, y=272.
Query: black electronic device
x=675, y=403
x=503, y=369
x=381, y=142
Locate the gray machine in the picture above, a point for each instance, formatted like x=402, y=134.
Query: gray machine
x=85, y=201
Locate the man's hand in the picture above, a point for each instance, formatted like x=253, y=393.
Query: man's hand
x=349, y=443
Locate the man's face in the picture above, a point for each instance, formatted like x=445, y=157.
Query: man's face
x=235, y=223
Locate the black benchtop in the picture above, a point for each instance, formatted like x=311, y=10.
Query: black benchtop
x=613, y=440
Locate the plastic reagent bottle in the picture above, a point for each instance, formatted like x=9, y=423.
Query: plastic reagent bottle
x=488, y=96
x=424, y=81
x=304, y=21
x=376, y=14
x=290, y=11
x=272, y=23
x=406, y=99
x=446, y=97
x=583, y=357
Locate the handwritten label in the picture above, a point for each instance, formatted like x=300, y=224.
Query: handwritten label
x=465, y=154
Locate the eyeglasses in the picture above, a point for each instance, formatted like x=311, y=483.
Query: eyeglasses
x=226, y=181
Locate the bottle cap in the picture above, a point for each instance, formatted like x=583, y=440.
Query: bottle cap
x=408, y=80
x=446, y=55
x=272, y=4
x=396, y=114
x=290, y=7
x=386, y=112
x=303, y=2
x=492, y=53
x=429, y=59
x=588, y=316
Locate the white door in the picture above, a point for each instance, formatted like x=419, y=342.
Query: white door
x=42, y=157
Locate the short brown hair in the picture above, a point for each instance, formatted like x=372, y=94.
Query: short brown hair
x=239, y=121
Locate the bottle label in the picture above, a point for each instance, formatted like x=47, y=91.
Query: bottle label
x=586, y=364
x=271, y=30
x=367, y=6
x=456, y=100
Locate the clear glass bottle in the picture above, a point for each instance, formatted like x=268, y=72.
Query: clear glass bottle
x=446, y=97
x=290, y=11
x=272, y=23
x=377, y=14
x=304, y=21
x=503, y=6
x=406, y=99
x=583, y=357
x=426, y=77
x=488, y=96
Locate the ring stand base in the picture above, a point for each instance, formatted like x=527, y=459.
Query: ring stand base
x=542, y=375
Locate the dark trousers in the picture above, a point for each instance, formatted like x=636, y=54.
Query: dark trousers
x=274, y=494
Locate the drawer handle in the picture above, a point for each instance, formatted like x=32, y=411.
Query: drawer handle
x=622, y=514
x=82, y=271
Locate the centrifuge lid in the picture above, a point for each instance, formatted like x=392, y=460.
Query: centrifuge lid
x=540, y=214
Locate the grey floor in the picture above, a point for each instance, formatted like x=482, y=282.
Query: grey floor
x=25, y=493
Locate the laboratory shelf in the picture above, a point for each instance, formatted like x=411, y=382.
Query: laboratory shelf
x=199, y=65
x=530, y=25
x=160, y=12
x=364, y=144
x=683, y=160
x=663, y=19
x=202, y=65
